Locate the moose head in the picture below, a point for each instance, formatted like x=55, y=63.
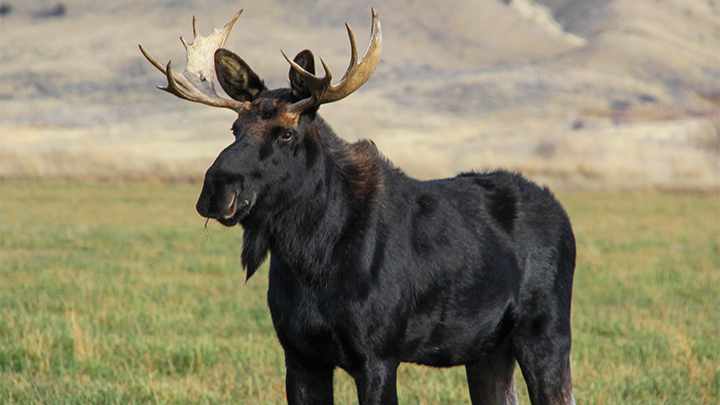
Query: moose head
x=280, y=140
x=283, y=153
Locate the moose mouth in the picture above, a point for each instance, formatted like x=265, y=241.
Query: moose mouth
x=237, y=209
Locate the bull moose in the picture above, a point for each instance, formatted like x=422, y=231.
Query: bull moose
x=370, y=267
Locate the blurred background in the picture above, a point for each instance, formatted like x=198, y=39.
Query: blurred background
x=576, y=94
x=114, y=291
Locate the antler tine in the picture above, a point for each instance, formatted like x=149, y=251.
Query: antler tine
x=193, y=94
x=322, y=90
x=311, y=80
x=353, y=48
x=197, y=82
x=195, y=30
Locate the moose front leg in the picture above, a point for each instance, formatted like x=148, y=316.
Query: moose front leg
x=308, y=383
x=376, y=383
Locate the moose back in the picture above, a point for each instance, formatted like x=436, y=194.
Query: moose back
x=370, y=267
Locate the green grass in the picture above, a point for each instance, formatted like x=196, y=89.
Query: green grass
x=111, y=294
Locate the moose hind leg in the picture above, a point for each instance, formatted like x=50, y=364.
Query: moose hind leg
x=491, y=381
x=542, y=349
x=548, y=385
x=541, y=338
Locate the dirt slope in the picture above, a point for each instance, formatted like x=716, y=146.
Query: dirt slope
x=575, y=93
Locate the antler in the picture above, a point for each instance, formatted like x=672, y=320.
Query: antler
x=197, y=82
x=321, y=89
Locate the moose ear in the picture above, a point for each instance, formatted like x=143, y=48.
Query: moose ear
x=236, y=77
x=299, y=88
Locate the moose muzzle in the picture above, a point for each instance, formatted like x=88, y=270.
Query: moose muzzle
x=227, y=203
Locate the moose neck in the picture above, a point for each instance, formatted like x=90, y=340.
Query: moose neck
x=337, y=204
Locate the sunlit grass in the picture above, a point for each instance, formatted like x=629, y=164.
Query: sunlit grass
x=110, y=293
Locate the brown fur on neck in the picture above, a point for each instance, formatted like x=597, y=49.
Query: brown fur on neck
x=364, y=170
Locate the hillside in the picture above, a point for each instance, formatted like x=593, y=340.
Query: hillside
x=574, y=93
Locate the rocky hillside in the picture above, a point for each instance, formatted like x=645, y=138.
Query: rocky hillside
x=574, y=93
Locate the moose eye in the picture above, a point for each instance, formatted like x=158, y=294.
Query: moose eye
x=286, y=136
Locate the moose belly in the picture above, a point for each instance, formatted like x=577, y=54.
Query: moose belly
x=445, y=339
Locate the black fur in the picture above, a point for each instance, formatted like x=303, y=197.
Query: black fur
x=370, y=268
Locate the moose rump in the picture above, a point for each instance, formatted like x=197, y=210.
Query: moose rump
x=370, y=267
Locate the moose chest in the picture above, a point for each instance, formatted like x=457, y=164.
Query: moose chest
x=308, y=319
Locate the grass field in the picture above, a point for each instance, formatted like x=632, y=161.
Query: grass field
x=111, y=294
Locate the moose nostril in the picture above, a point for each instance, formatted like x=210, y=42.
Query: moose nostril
x=232, y=207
